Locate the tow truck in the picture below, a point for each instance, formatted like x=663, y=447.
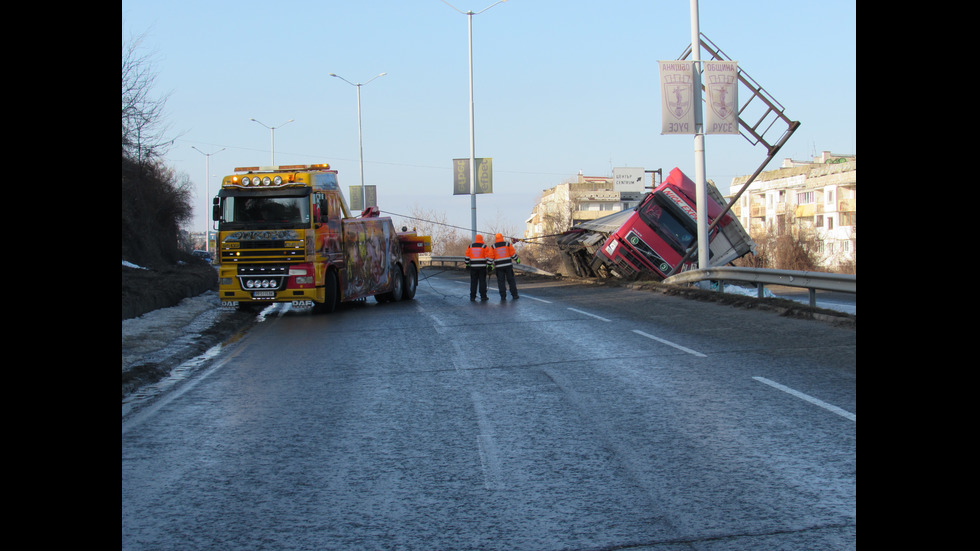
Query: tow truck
x=286, y=234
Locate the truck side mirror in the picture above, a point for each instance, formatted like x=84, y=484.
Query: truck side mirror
x=216, y=210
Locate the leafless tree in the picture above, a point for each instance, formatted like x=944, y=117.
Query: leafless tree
x=155, y=199
x=143, y=132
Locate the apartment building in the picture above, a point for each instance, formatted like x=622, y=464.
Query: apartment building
x=820, y=195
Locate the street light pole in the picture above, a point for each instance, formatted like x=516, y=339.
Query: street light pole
x=360, y=140
x=469, y=15
x=207, y=176
x=701, y=191
x=272, y=129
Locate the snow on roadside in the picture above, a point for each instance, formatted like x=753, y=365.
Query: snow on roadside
x=155, y=333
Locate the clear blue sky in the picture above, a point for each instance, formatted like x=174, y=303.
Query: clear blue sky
x=561, y=86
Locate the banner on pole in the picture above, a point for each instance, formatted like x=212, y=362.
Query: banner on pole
x=677, y=80
x=721, y=84
x=357, y=202
x=461, y=176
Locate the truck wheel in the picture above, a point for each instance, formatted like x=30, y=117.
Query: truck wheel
x=397, y=291
x=330, y=294
x=411, y=282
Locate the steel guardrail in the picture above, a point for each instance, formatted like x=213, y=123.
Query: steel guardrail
x=764, y=276
x=760, y=277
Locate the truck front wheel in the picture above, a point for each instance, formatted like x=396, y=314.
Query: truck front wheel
x=330, y=293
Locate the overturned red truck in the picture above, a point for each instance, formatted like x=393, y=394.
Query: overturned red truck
x=653, y=238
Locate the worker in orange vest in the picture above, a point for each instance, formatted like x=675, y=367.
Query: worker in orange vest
x=477, y=255
x=503, y=258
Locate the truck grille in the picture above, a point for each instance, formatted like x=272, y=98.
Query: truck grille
x=261, y=251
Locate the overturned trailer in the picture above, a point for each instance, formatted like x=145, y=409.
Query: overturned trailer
x=653, y=238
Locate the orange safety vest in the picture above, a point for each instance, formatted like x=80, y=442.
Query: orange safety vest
x=477, y=254
x=503, y=254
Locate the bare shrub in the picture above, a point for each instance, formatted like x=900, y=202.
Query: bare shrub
x=784, y=252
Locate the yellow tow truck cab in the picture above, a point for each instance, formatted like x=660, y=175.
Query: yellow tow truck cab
x=285, y=234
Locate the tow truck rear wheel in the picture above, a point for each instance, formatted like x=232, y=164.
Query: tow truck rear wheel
x=411, y=282
x=397, y=291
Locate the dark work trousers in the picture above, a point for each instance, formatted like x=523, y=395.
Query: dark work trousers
x=505, y=277
x=478, y=277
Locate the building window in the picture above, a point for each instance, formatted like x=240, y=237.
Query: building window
x=804, y=198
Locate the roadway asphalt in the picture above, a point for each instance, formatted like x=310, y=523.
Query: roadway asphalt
x=158, y=341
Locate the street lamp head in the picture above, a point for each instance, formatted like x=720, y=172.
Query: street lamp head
x=357, y=85
x=342, y=78
x=194, y=147
x=471, y=12
x=272, y=127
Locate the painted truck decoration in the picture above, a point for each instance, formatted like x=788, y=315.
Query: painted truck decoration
x=285, y=234
x=653, y=237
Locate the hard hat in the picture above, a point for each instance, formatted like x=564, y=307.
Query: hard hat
x=499, y=237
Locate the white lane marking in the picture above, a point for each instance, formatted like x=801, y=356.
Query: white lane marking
x=811, y=399
x=535, y=298
x=668, y=343
x=487, y=446
x=588, y=314
x=458, y=357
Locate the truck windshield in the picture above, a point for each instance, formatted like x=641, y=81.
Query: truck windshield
x=668, y=226
x=266, y=212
